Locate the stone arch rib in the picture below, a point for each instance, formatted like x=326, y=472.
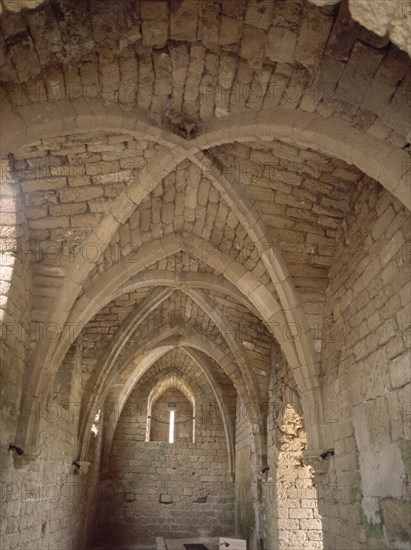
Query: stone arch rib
x=270, y=311
x=131, y=325
x=379, y=160
x=190, y=343
x=335, y=137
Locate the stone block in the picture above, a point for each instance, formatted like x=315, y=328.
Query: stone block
x=281, y=45
x=23, y=55
x=308, y=524
x=154, y=33
x=166, y=499
x=183, y=20
x=400, y=370
x=308, y=104
x=50, y=223
x=154, y=9
x=44, y=184
x=209, y=23
x=68, y=209
x=312, y=38
x=230, y=31
x=79, y=181
x=253, y=46
x=300, y=513
x=355, y=82
x=343, y=35
x=80, y=194
x=259, y=13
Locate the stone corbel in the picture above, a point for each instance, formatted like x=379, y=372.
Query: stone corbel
x=80, y=467
x=24, y=455
x=262, y=473
x=318, y=460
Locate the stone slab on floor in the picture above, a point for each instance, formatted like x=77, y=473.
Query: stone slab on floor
x=178, y=544
x=133, y=547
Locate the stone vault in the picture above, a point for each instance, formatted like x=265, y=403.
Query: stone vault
x=205, y=212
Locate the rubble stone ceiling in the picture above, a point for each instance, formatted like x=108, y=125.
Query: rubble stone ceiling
x=177, y=307
x=301, y=197
x=184, y=250
x=230, y=57
x=246, y=330
x=388, y=19
x=179, y=364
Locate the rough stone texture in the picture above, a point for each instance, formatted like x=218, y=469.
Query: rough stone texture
x=385, y=18
x=368, y=302
x=204, y=203
x=174, y=490
x=259, y=36
x=45, y=505
x=246, y=499
x=290, y=500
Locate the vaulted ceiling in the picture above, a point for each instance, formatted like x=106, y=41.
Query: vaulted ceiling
x=186, y=170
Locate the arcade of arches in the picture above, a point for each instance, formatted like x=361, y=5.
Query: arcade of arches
x=205, y=273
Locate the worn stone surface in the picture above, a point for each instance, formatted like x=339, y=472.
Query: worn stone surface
x=294, y=32
x=182, y=487
x=369, y=438
x=386, y=19
x=204, y=204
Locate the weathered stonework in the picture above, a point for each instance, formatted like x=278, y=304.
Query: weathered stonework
x=174, y=489
x=205, y=204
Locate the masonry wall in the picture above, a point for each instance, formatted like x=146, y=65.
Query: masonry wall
x=366, y=361
x=44, y=504
x=183, y=414
x=246, y=502
x=16, y=332
x=289, y=496
x=172, y=490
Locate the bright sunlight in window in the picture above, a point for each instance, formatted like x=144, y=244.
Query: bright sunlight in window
x=171, y=429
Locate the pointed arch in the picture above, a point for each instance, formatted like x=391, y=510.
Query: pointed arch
x=330, y=136
x=145, y=354
x=99, y=293
x=171, y=381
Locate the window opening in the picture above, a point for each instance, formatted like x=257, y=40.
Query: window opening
x=171, y=429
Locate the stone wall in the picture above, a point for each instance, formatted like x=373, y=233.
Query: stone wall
x=366, y=362
x=183, y=417
x=17, y=335
x=245, y=483
x=44, y=503
x=224, y=147
x=277, y=508
x=172, y=490
x=289, y=495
